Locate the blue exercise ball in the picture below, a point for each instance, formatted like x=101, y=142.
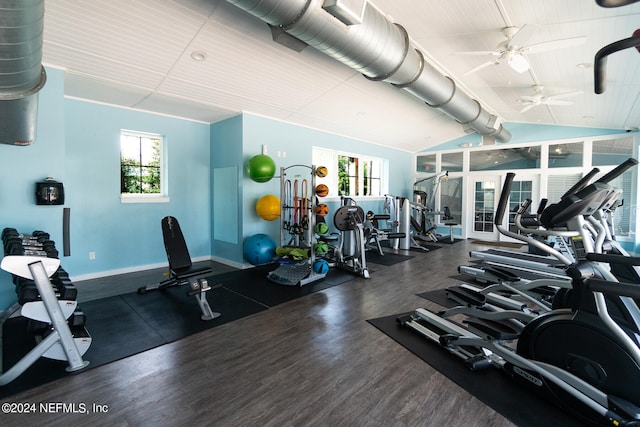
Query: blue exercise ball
x=259, y=249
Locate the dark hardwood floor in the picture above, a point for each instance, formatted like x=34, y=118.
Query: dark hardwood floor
x=314, y=361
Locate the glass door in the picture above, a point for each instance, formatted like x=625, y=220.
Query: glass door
x=485, y=194
x=522, y=188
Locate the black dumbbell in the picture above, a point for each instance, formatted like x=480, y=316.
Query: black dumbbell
x=77, y=320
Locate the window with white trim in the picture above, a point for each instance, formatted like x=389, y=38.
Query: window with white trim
x=351, y=174
x=142, y=171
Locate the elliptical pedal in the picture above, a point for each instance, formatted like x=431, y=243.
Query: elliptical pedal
x=497, y=329
x=466, y=296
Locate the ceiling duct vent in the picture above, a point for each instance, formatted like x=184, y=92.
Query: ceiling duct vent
x=350, y=12
x=21, y=72
x=378, y=49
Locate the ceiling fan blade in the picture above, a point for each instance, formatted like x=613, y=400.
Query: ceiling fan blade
x=524, y=33
x=556, y=102
x=527, y=108
x=565, y=95
x=527, y=98
x=554, y=44
x=479, y=53
x=480, y=67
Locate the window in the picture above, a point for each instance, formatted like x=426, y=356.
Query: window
x=612, y=152
x=505, y=159
x=451, y=162
x=358, y=176
x=565, y=155
x=451, y=197
x=426, y=163
x=141, y=166
x=355, y=175
x=557, y=185
x=520, y=191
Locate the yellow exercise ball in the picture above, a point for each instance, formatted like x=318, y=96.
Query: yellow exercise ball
x=268, y=207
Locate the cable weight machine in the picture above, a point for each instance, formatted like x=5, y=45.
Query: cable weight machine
x=297, y=222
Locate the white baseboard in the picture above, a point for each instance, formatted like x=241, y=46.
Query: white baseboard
x=139, y=268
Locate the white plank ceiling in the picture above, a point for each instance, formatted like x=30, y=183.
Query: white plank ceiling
x=138, y=54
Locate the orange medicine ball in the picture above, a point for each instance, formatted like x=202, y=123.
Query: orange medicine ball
x=322, y=209
x=322, y=190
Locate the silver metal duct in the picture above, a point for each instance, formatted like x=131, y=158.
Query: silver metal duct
x=381, y=51
x=21, y=72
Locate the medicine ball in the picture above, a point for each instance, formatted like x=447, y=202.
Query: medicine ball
x=322, y=209
x=322, y=171
x=322, y=190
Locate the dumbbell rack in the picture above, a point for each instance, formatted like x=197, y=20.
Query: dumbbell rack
x=47, y=298
x=297, y=273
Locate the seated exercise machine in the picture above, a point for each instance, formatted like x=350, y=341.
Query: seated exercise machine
x=423, y=213
x=350, y=254
x=585, y=353
x=181, y=268
x=52, y=316
x=374, y=234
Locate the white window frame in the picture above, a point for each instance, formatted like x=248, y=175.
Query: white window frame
x=161, y=197
x=329, y=158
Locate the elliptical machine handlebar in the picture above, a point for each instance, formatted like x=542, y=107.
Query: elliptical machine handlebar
x=504, y=198
x=583, y=182
x=499, y=218
x=543, y=204
x=540, y=232
x=619, y=170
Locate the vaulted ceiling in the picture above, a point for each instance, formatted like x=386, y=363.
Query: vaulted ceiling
x=208, y=60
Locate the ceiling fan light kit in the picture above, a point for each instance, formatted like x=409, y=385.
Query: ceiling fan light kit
x=513, y=49
x=518, y=63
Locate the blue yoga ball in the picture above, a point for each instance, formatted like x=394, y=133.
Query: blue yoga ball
x=259, y=249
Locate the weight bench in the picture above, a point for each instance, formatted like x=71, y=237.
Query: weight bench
x=181, y=268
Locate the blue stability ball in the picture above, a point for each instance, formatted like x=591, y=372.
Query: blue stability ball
x=259, y=249
x=321, y=266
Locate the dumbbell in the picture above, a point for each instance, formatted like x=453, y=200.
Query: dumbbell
x=16, y=247
x=76, y=321
x=8, y=230
x=27, y=291
x=39, y=236
x=59, y=277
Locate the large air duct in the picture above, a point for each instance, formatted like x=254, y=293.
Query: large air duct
x=381, y=51
x=21, y=72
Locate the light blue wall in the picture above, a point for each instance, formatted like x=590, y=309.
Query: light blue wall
x=22, y=167
x=125, y=235
x=298, y=142
x=78, y=143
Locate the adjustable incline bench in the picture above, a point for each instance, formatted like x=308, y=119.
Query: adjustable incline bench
x=181, y=268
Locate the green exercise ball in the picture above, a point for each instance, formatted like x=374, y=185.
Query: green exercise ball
x=261, y=168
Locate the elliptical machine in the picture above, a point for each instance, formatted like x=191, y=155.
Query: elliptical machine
x=586, y=356
x=350, y=254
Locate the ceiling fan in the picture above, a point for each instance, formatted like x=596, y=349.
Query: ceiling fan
x=530, y=101
x=513, y=49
